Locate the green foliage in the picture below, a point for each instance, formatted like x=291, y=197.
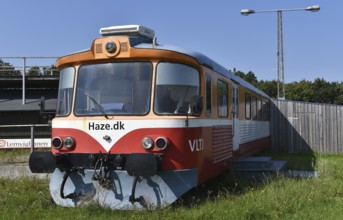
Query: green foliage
x=51, y=71
x=6, y=69
x=268, y=87
x=300, y=91
x=319, y=90
x=34, y=71
x=249, y=77
x=339, y=99
x=240, y=74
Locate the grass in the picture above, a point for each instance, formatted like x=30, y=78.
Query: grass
x=14, y=152
x=222, y=198
x=15, y=156
x=12, y=156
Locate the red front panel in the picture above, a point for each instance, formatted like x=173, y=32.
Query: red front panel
x=188, y=147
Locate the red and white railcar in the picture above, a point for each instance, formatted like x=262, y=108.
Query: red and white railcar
x=138, y=124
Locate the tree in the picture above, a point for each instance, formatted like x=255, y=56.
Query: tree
x=51, y=71
x=339, y=97
x=6, y=69
x=319, y=90
x=249, y=77
x=300, y=91
x=324, y=91
x=240, y=74
x=268, y=87
x=34, y=71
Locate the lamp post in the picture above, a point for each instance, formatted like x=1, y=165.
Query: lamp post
x=279, y=54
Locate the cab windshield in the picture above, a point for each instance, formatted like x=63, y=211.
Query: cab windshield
x=113, y=89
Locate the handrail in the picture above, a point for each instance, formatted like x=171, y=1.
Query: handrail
x=28, y=125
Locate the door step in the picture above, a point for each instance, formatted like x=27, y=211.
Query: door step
x=255, y=168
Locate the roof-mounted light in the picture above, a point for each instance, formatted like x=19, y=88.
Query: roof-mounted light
x=128, y=30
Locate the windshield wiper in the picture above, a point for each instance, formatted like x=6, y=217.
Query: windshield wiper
x=99, y=107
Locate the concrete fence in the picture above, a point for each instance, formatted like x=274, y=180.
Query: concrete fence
x=306, y=127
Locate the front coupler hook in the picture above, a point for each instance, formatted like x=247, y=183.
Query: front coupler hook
x=67, y=173
x=132, y=197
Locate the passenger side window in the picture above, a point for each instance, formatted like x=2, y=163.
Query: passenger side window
x=254, y=107
x=265, y=110
x=222, y=99
x=247, y=106
x=259, y=109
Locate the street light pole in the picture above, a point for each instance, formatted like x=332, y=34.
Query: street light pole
x=279, y=54
x=280, y=61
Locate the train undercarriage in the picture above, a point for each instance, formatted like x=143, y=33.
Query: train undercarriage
x=125, y=182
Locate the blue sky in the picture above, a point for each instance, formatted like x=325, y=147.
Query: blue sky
x=312, y=41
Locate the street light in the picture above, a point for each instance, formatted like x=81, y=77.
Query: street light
x=280, y=63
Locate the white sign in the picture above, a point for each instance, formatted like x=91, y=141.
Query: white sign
x=24, y=143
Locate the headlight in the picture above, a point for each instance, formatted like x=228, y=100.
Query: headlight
x=57, y=143
x=161, y=143
x=147, y=143
x=111, y=47
x=69, y=143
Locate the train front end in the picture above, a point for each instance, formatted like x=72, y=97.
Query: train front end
x=114, y=141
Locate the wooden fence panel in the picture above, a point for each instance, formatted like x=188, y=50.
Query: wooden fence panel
x=306, y=127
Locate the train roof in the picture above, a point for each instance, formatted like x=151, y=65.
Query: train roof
x=144, y=38
x=205, y=61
